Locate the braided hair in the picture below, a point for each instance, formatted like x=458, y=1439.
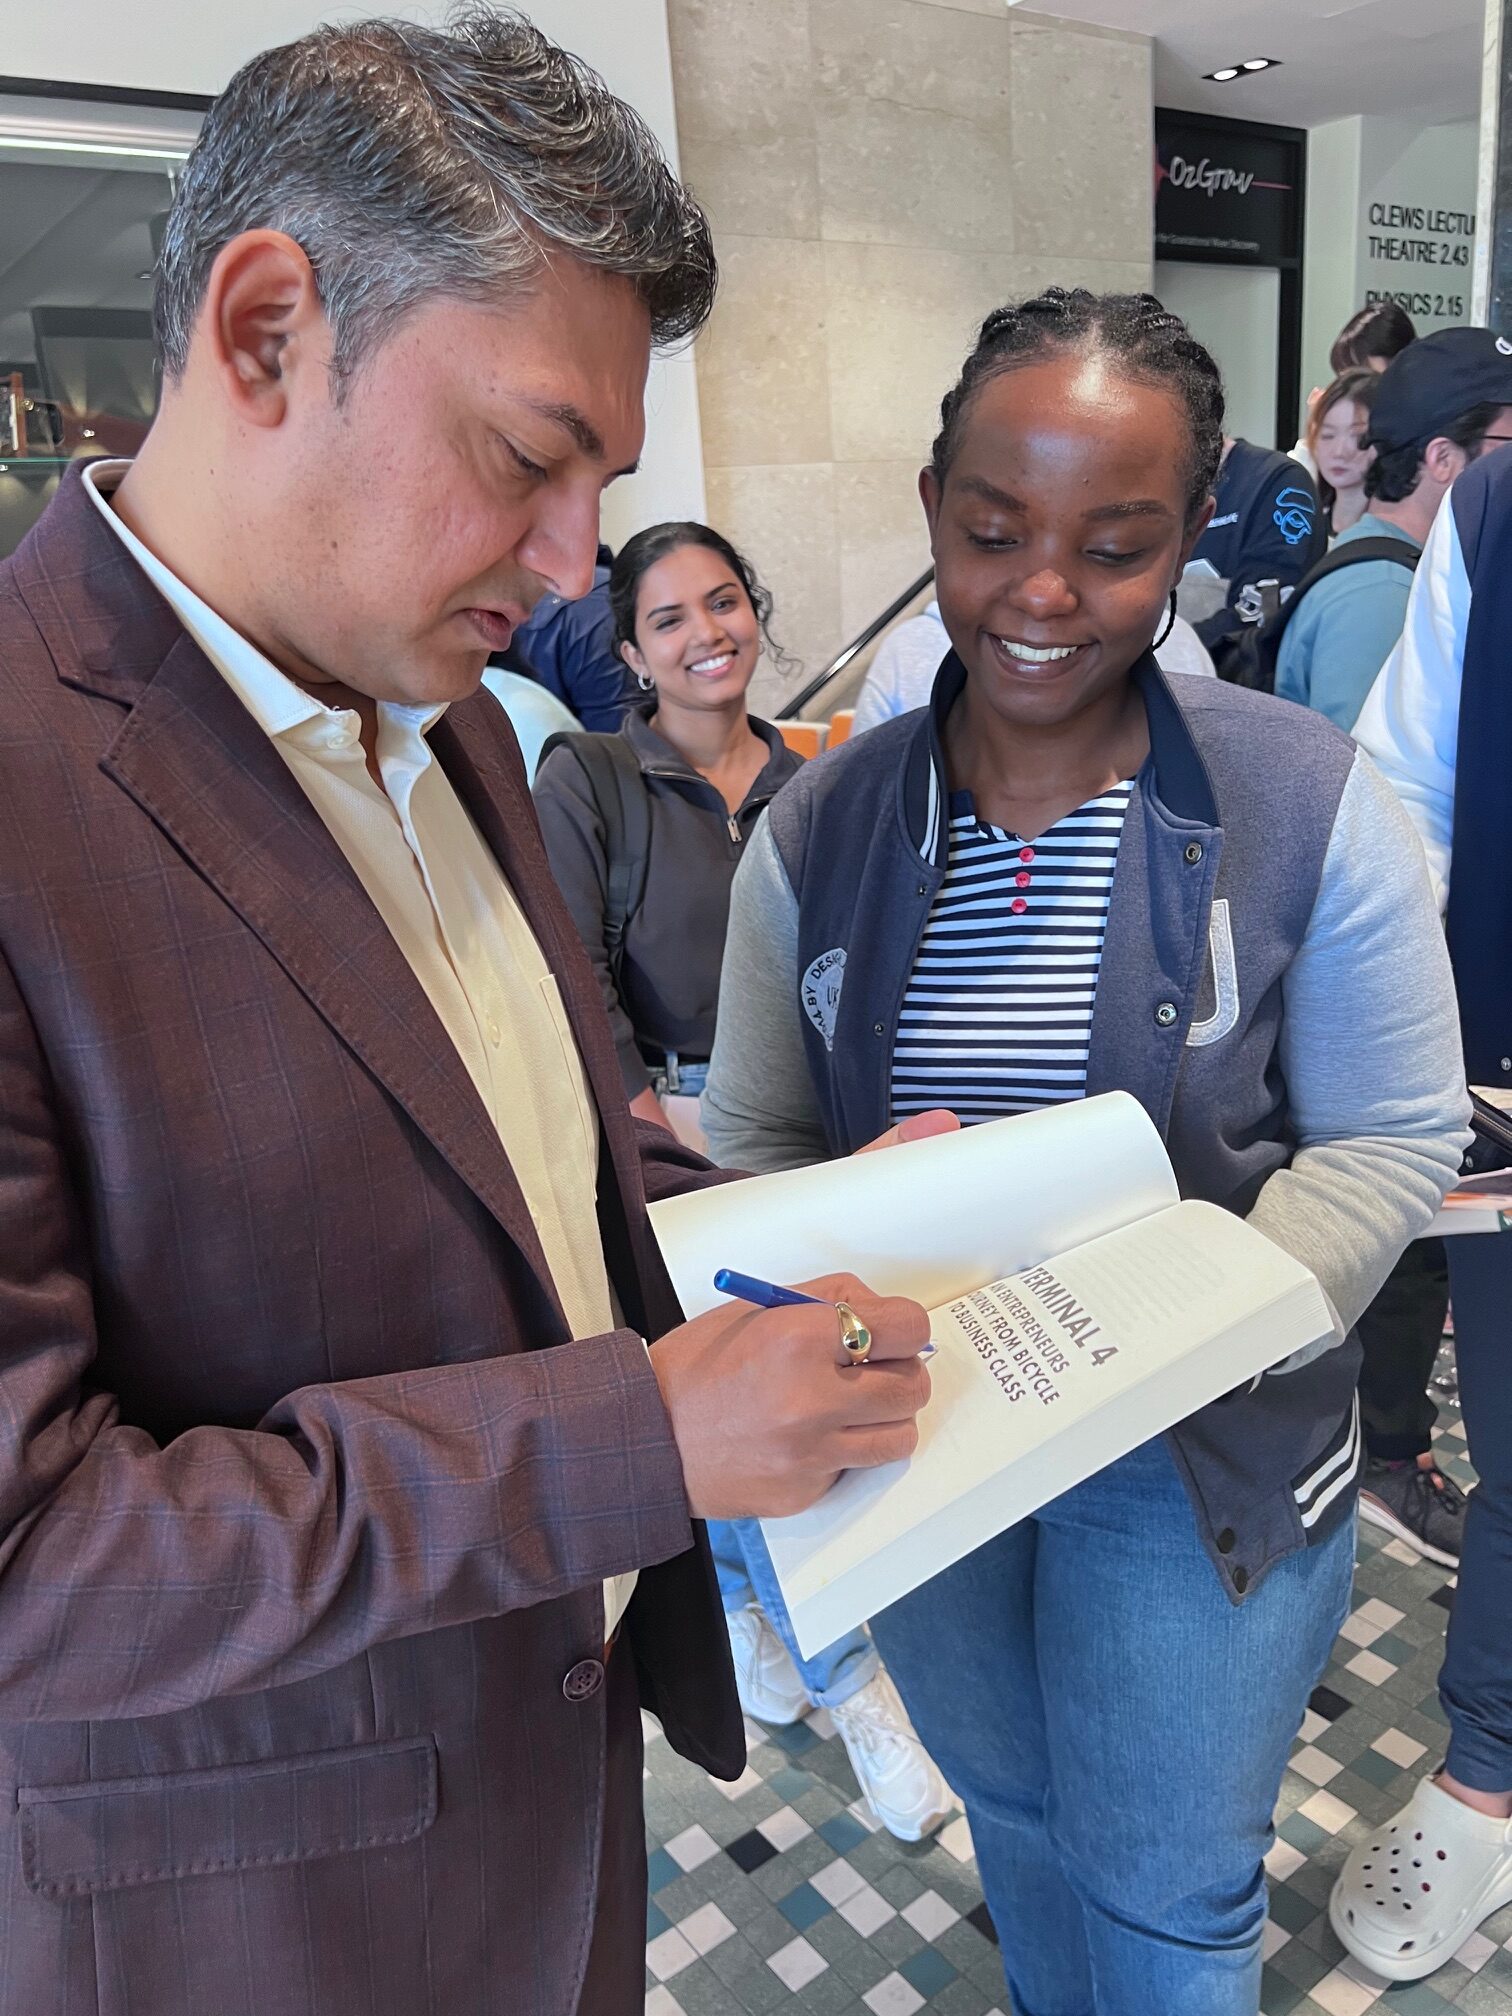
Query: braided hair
x=1146, y=342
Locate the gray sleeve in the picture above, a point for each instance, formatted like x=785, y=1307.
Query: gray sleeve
x=1370, y=1050
x=759, y=1111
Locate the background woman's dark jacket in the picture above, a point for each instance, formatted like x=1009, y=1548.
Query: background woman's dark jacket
x=668, y=990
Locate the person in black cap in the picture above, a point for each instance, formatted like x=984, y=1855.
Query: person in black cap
x=1437, y=406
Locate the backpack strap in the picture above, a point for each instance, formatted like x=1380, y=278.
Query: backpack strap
x=1348, y=553
x=624, y=804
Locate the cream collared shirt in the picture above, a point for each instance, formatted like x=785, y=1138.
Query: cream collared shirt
x=453, y=915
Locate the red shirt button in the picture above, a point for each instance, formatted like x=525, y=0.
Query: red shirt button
x=1023, y=880
x=1026, y=853
x=1018, y=906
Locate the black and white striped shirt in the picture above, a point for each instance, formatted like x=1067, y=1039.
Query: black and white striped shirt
x=997, y=1015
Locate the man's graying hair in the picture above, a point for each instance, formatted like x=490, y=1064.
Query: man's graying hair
x=412, y=162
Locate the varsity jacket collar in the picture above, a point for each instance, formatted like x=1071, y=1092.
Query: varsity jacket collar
x=1174, y=775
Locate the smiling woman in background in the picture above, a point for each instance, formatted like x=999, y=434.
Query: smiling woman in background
x=645, y=827
x=1073, y=875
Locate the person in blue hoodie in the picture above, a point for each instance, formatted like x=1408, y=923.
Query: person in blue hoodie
x=1072, y=875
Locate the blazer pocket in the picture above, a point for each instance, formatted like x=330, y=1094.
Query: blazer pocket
x=117, y=1832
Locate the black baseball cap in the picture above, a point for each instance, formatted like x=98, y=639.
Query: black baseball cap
x=1429, y=385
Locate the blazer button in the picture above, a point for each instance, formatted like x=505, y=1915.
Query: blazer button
x=1225, y=1541
x=1240, y=1579
x=585, y=1680
x=1165, y=1014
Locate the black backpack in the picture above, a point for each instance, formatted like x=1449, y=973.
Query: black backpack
x=619, y=790
x=1255, y=653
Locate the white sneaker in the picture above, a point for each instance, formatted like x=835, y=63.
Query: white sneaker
x=896, y=1773
x=770, y=1686
x=1412, y=1893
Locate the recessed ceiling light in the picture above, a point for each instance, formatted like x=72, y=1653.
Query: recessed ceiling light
x=1232, y=70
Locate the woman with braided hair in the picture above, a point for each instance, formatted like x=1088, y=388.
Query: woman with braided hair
x=1070, y=875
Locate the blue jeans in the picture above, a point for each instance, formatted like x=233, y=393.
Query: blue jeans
x=1117, y=1732
x=746, y=1575
x=1476, y=1684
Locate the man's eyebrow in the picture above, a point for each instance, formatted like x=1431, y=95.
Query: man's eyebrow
x=582, y=430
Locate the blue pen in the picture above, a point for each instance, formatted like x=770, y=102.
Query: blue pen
x=767, y=1295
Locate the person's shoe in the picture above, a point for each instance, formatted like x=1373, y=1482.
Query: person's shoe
x=1410, y=1896
x=894, y=1770
x=1417, y=1503
x=770, y=1686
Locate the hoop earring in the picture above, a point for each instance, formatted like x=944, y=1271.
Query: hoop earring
x=1170, y=624
x=645, y=682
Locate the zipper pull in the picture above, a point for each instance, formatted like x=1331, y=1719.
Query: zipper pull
x=734, y=829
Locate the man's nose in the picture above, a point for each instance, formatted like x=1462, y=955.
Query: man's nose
x=562, y=546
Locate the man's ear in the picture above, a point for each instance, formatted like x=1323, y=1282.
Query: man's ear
x=261, y=321
x=1444, y=460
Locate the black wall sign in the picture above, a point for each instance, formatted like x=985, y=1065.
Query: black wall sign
x=1227, y=191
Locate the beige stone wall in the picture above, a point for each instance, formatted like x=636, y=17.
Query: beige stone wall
x=881, y=173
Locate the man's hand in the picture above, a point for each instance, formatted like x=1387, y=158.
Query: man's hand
x=767, y=1414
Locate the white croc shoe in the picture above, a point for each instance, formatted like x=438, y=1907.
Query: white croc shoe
x=1409, y=1898
x=900, y=1779
x=770, y=1686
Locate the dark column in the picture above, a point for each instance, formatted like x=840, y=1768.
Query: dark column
x=1495, y=220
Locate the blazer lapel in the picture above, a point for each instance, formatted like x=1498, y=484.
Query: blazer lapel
x=201, y=768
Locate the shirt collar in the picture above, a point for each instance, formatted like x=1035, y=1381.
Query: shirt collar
x=272, y=698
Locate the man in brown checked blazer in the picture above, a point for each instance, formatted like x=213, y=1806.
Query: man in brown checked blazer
x=329, y=1442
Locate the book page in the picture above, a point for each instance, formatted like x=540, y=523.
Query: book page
x=1039, y=1381
x=931, y=1219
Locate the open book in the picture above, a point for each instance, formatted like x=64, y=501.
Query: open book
x=1078, y=1308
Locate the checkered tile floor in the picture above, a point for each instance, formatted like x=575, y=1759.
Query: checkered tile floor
x=779, y=1893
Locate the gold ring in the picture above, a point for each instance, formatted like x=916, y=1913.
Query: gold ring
x=855, y=1338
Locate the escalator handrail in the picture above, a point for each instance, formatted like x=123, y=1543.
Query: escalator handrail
x=791, y=709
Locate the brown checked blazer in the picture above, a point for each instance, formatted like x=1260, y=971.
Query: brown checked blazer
x=305, y=1496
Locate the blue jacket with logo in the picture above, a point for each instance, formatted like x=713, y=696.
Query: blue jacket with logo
x=1266, y=526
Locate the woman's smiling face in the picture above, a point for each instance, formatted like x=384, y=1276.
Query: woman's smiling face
x=696, y=633
x=1060, y=531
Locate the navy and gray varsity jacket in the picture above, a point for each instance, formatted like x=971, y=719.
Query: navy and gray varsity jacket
x=1274, y=990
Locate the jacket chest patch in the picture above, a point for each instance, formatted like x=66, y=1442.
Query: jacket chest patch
x=1225, y=1016
x=820, y=990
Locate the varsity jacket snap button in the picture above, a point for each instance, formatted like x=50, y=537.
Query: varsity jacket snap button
x=585, y=1680
x=878, y=1030
x=1165, y=1014
x=1193, y=852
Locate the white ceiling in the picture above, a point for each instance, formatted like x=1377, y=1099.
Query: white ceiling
x=1417, y=59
